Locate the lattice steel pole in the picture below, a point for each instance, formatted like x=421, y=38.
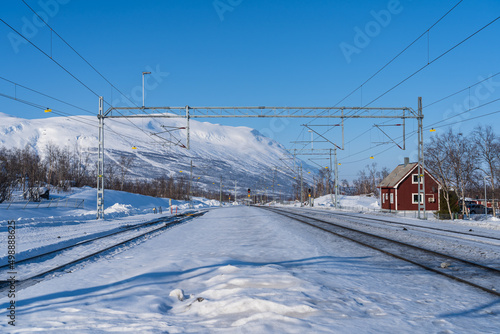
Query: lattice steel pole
x=421, y=165
x=301, y=186
x=334, y=202
x=187, y=128
x=336, y=179
x=100, y=162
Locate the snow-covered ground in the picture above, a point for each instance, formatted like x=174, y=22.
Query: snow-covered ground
x=350, y=202
x=235, y=269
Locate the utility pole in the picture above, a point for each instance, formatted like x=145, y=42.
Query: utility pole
x=188, y=144
x=329, y=180
x=336, y=179
x=100, y=162
x=274, y=175
x=190, y=180
x=421, y=166
x=301, y=186
x=220, y=200
x=235, y=184
x=143, y=73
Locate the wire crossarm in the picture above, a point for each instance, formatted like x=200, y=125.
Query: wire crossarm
x=242, y=112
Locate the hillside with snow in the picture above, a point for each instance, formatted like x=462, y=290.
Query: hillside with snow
x=237, y=154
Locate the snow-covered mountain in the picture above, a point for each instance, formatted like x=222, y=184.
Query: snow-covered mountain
x=237, y=154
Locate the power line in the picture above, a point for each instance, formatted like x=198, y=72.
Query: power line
x=67, y=71
x=463, y=112
x=435, y=59
x=462, y=90
x=87, y=62
x=423, y=67
x=50, y=97
x=39, y=106
x=79, y=55
x=429, y=127
x=74, y=118
x=57, y=63
x=469, y=119
x=399, y=54
x=394, y=58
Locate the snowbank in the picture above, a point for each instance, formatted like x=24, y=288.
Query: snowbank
x=354, y=202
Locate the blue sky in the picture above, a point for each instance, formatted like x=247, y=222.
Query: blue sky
x=253, y=52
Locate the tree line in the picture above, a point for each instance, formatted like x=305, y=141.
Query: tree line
x=465, y=164
x=366, y=181
x=63, y=168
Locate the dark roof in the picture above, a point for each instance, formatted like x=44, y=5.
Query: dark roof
x=396, y=175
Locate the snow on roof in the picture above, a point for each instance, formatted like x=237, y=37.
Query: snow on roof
x=396, y=175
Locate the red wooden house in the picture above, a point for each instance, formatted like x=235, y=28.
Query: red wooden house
x=399, y=190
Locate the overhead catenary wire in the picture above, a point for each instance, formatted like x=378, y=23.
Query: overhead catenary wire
x=397, y=56
x=423, y=67
x=434, y=60
x=77, y=53
x=48, y=56
x=433, y=125
x=400, y=53
x=50, y=97
x=65, y=69
x=89, y=64
x=460, y=91
x=46, y=95
x=75, y=118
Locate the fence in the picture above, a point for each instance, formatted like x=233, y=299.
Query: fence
x=53, y=203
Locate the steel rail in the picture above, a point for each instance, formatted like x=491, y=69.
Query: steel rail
x=300, y=218
x=83, y=242
x=333, y=214
x=21, y=284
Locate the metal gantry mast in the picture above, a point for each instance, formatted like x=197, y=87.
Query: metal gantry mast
x=100, y=162
x=421, y=165
x=329, y=152
x=188, y=112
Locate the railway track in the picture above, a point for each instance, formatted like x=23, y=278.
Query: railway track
x=127, y=229
x=356, y=217
x=478, y=275
x=44, y=263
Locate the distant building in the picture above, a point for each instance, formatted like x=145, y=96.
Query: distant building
x=399, y=190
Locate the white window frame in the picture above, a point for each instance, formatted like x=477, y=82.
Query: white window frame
x=413, y=198
x=413, y=178
x=392, y=198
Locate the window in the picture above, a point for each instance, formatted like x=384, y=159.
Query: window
x=414, y=179
x=392, y=198
x=415, y=198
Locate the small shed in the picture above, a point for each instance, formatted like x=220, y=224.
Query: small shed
x=399, y=190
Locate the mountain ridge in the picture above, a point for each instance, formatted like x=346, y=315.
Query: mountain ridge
x=240, y=154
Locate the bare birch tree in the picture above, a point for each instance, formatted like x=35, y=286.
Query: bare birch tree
x=488, y=146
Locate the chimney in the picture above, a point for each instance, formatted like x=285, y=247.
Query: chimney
x=407, y=161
